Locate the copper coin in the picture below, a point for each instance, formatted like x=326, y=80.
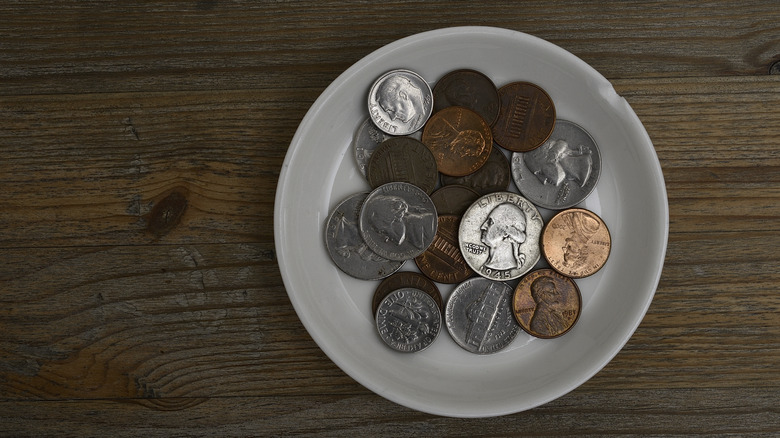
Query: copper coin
x=453, y=199
x=493, y=176
x=402, y=159
x=526, y=118
x=576, y=242
x=470, y=89
x=546, y=304
x=406, y=279
x=460, y=140
x=443, y=261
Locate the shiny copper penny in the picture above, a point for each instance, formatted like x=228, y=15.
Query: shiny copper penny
x=406, y=279
x=402, y=159
x=576, y=242
x=493, y=176
x=469, y=89
x=443, y=261
x=546, y=304
x=526, y=118
x=460, y=140
x=453, y=199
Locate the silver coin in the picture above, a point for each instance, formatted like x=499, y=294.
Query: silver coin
x=562, y=172
x=408, y=320
x=346, y=246
x=479, y=315
x=400, y=102
x=499, y=236
x=367, y=139
x=398, y=221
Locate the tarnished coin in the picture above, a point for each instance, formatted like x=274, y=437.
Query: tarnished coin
x=479, y=315
x=546, y=304
x=403, y=159
x=453, y=199
x=526, y=118
x=460, y=140
x=367, y=139
x=408, y=320
x=406, y=279
x=560, y=173
x=442, y=261
x=493, y=176
x=470, y=89
x=576, y=242
x=398, y=221
x=400, y=102
x=499, y=236
x=347, y=247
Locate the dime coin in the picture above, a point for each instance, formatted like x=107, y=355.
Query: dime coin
x=479, y=316
x=493, y=176
x=576, y=242
x=442, y=261
x=403, y=159
x=453, y=199
x=408, y=320
x=400, y=102
x=398, y=221
x=499, y=236
x=560, y=173
x=470, y=89
x=405, y=279
x=348, y=249
x=526, y=118
x=460, y=140
x=546, y=304
x=367, y=139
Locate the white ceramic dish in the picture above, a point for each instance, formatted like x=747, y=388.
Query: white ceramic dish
x=319, y=171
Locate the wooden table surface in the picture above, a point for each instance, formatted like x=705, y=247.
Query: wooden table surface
x=140, y=149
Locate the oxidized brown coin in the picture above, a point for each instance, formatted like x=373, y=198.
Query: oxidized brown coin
x=402, y=159
x=460, y=140
x=576, y=242
x=453, y=199
x=406, y=279
x=546, y=304
x=526, y=118
x=443, y=261
x=470, y=89
x=493, y=176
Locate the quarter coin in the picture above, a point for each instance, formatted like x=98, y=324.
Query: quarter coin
x=442, y=261
x=460, y=140
x=576, y=242
x=403, y=159
x=526, y=118
x=408, y=320
x=400, y=102
x=546, y=304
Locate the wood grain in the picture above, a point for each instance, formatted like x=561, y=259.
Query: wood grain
x=140, y=150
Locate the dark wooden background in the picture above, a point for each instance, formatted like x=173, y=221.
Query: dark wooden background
x=140, y=146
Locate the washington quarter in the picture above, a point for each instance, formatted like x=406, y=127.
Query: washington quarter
x=400, y=102
x=408, y=320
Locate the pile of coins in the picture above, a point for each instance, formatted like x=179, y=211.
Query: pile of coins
x=441, y=196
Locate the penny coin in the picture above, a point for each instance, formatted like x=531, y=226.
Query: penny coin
x=470, y=89
x=347, y=247
x=499, y=236
x=367, y=139
x=460, y=140
x=479, y=316
x=398, y=221
x=453, y=199
x=493, y=176
x=546, y=304
x=403, y=159
x=526, y=118
x=560, y=173
x=576, y=242
x=408, y=320
x=442, y=261
x=400, y=102
x=406, y=279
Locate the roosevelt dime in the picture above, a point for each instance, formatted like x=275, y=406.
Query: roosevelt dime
x=562, y=172
x=479, y=315
x=400, y=102
x=499, y=236
x=408, y=320
x=405, y=279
